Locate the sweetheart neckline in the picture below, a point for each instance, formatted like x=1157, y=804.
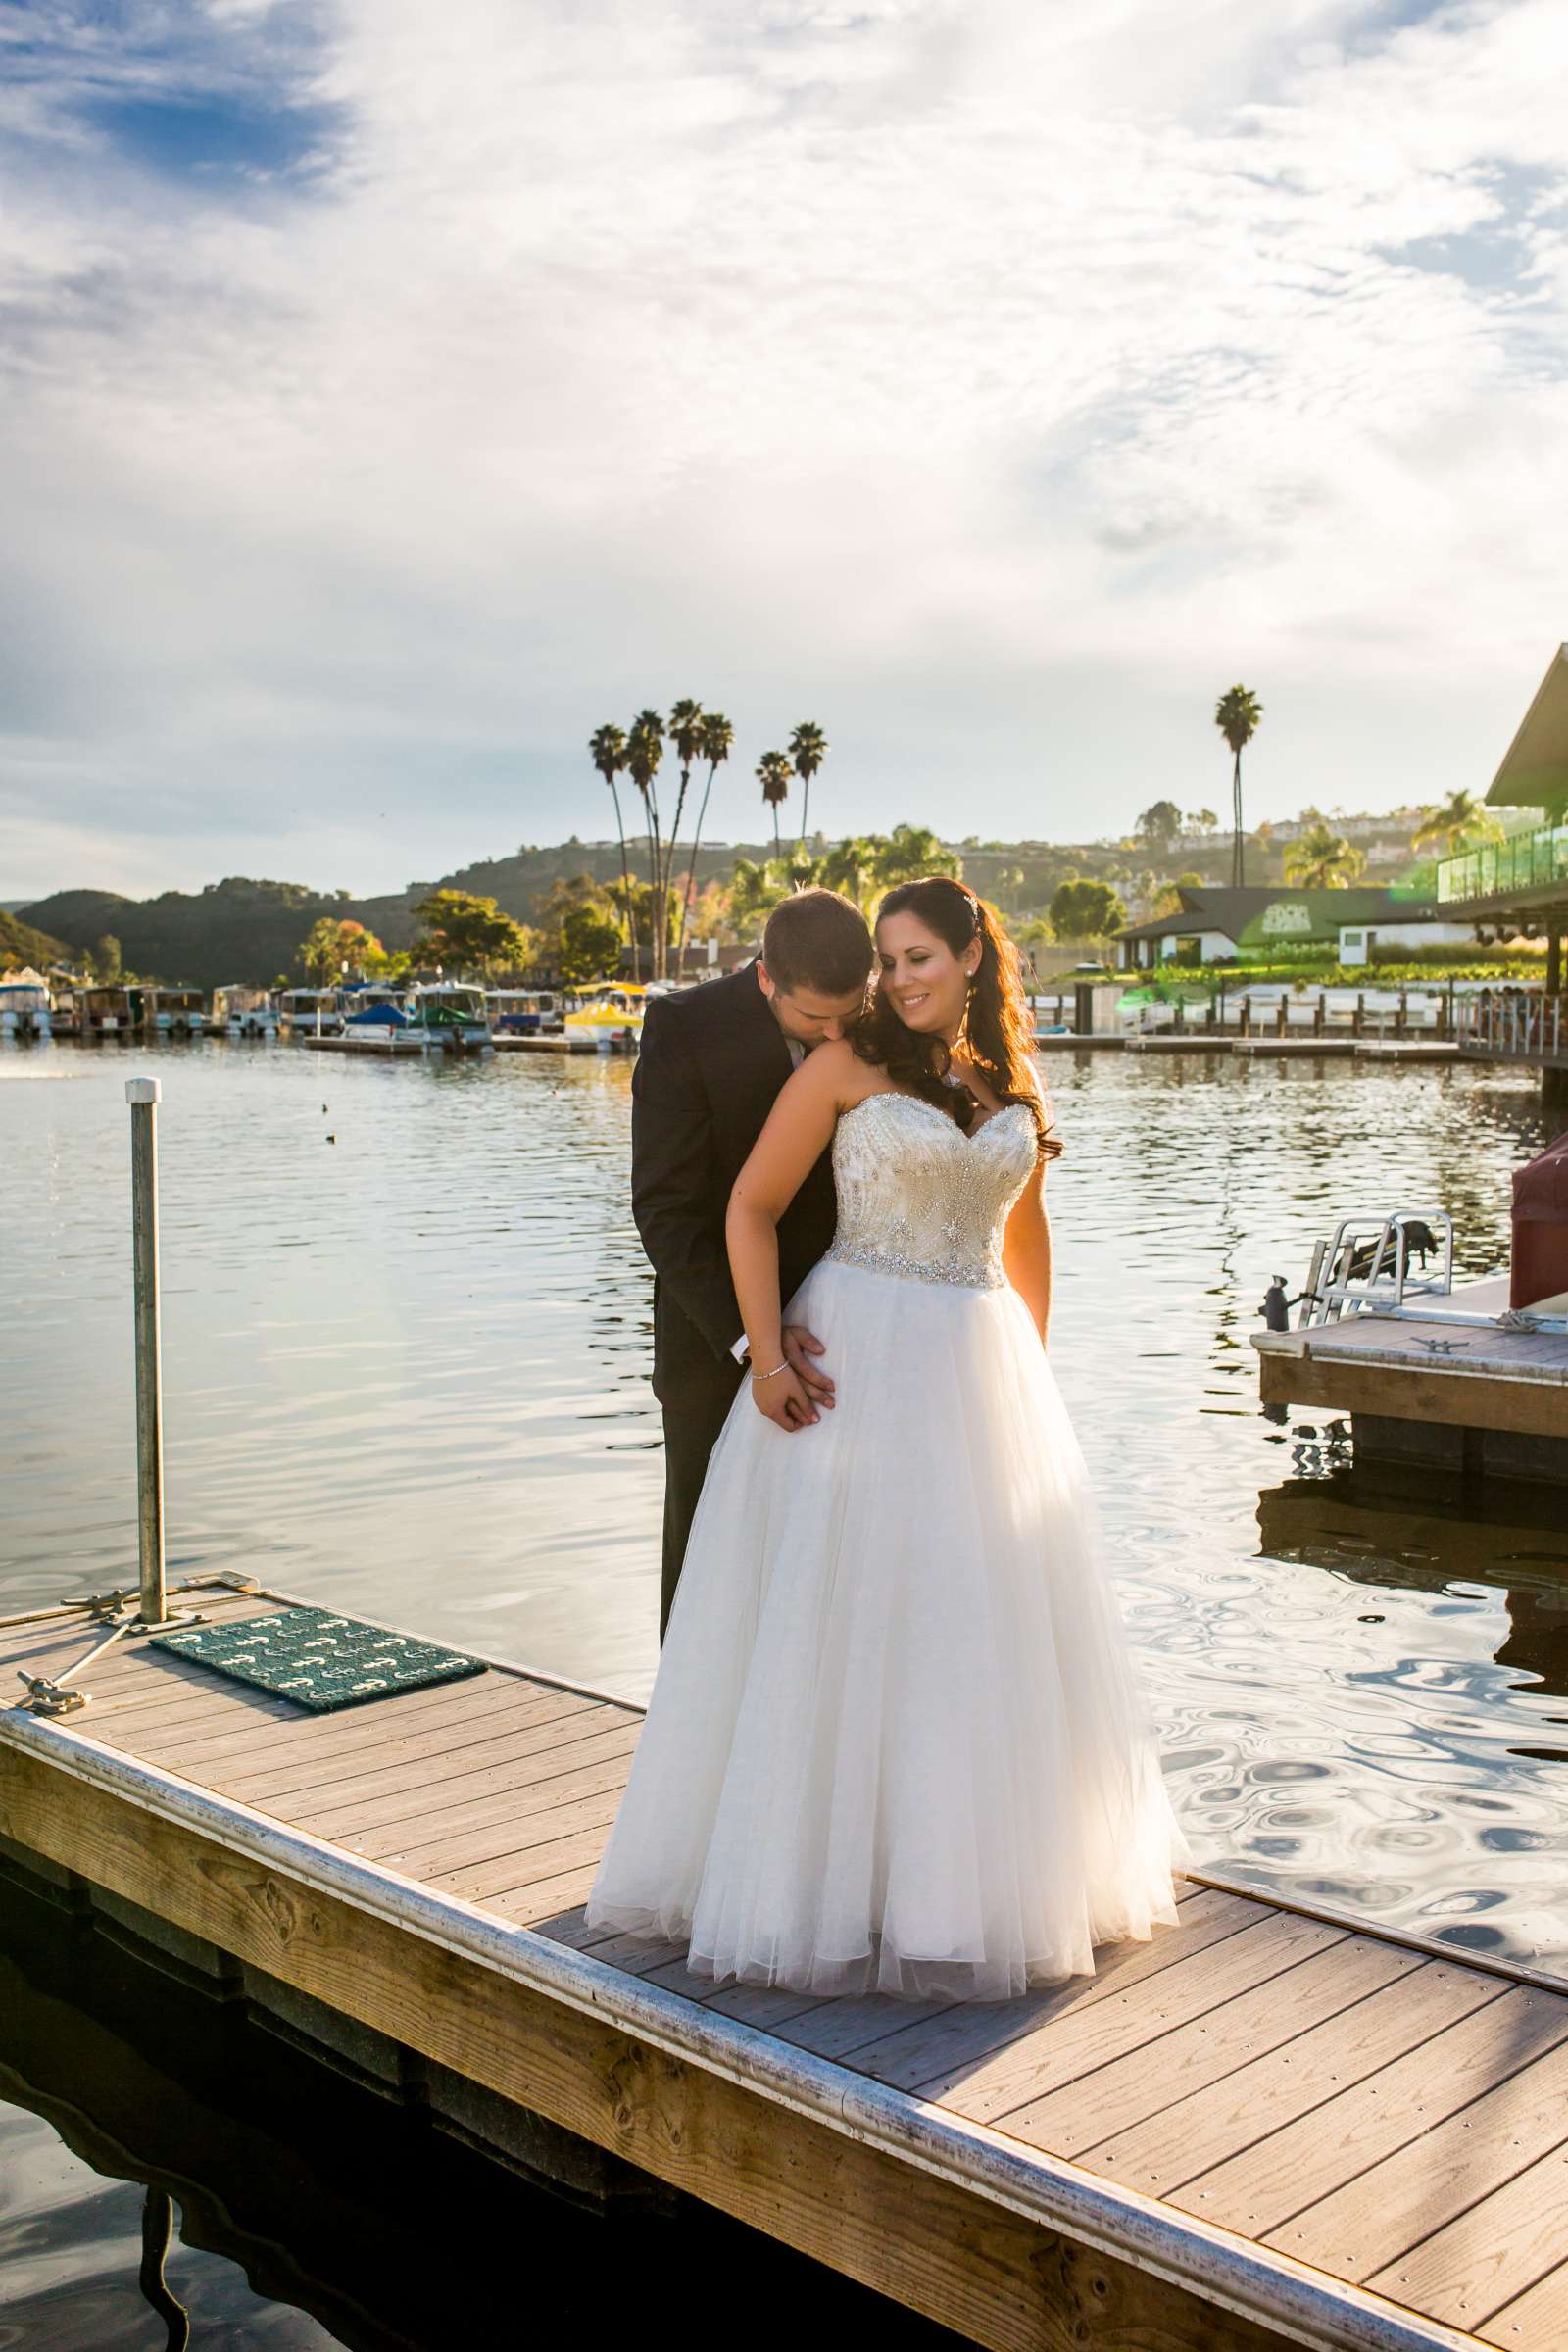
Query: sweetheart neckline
x=899, y=1094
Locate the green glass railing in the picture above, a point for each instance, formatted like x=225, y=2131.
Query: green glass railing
x=1528, y=861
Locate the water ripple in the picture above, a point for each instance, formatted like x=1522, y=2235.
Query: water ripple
x=406, y=1372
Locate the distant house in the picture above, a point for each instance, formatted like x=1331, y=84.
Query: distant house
x=1215, y=924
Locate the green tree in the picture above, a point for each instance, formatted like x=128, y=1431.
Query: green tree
x=607, y=748
x=755, y=889
x=1086, y=910
x=1158, y=827
x=1462, y=822
x=1238, y=714
x=1323, y=860
x=717, y=741
x=587, y=944
x=333, y=945
x=106, y=960
x=773, y=775
x=808, y=751
x=851, y=867
x=909, y=851
x=468, y=934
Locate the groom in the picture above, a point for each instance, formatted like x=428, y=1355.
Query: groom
x=713, y=1060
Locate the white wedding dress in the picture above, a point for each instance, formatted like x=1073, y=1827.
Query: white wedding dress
x=896, y=1741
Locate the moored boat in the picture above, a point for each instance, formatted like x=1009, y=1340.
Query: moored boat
x=25, y=1007
x=449, y=1014
x=171, y=1012
x=240, y=1011
x=522, y=1012
x=309, y=1012
x=609, y=1014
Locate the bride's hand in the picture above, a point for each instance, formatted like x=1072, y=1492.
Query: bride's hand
x=799, y=1347
x=783, y=1401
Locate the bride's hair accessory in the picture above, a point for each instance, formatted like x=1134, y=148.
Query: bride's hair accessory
x=773, y=1375
x=998, y=1031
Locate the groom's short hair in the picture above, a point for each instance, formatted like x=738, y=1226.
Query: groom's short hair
x=820, y=940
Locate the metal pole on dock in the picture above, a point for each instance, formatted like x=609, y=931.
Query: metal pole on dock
x=142, y=1095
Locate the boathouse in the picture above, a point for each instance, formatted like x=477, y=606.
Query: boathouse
x=1214, y=924
x=1518, y=886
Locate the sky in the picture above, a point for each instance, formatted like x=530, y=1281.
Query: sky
x=390, y=394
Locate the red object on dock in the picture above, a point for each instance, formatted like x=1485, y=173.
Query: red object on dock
x=1541, y=1227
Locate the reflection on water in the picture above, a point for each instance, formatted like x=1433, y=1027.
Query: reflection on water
x=407, y=1371
x=312, y=2208
x=407, y=1345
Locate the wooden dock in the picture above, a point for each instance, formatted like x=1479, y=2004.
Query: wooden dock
x=1470, y=1397
x=1266, y=2126
x=397, y=1045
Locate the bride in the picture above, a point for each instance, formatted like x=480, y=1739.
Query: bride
x=896, y=1742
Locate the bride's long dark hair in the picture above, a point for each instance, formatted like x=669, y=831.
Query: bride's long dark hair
x=999, y=1033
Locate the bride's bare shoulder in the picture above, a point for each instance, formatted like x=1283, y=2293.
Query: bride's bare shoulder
x=846, y=1073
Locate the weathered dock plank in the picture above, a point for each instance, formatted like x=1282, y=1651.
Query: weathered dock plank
x=1205, y=2128
x=1260, y=2126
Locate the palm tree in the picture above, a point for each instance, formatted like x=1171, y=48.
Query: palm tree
x=754, y=892
x=1237, y=714
x=1460, y=823
x=1323, y=860
x=807, y=750
x=850, y=866
x=607, y=748
x=773, y=775
x=645, y=747
x=718, y=739
x=686, y=735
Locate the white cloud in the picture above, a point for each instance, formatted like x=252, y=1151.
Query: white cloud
x=992, y=386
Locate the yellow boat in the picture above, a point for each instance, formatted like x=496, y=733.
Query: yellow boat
x=611, y=1015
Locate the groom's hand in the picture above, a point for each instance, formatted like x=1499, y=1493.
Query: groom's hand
x=801, y=1348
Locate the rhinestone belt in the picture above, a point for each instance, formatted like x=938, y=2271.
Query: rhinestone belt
x=963, y=1276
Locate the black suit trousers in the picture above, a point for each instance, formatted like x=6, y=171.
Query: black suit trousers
x=692, y=1423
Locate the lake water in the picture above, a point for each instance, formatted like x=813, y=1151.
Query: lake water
x=407, y=1338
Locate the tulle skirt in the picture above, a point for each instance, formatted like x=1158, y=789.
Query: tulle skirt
x=896, y=1741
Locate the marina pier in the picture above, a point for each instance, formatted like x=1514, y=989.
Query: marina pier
x=1267, y=2125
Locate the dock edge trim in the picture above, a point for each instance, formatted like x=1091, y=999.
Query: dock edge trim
x=1257, y=2282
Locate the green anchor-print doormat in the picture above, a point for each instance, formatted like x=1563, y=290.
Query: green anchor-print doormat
x=319, y=1661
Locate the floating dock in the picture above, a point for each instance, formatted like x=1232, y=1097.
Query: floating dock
x=1337, y=1045
x=398, y=1046
x=1470, y=1397
x=1268, y=2124
x=1407, y=1048
x=1297, y=1048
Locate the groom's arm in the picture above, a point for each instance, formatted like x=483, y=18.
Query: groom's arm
x=682, y=1228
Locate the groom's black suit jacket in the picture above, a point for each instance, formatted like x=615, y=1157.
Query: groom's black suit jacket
x=712, y=1064
x=712, y=1061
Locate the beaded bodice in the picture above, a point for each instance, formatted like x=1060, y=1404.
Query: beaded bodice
x=919, y=1197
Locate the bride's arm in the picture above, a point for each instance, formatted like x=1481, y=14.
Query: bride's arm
x=799, y=1130
x=1026, y=1251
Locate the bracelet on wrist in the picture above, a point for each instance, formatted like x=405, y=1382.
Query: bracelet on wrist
x=773, y=1375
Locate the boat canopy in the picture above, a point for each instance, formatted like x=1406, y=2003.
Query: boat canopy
x=378, y=1016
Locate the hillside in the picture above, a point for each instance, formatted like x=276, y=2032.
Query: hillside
x=245, y=930
x=237, y=929
x=240, y=929
x=20, y=944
